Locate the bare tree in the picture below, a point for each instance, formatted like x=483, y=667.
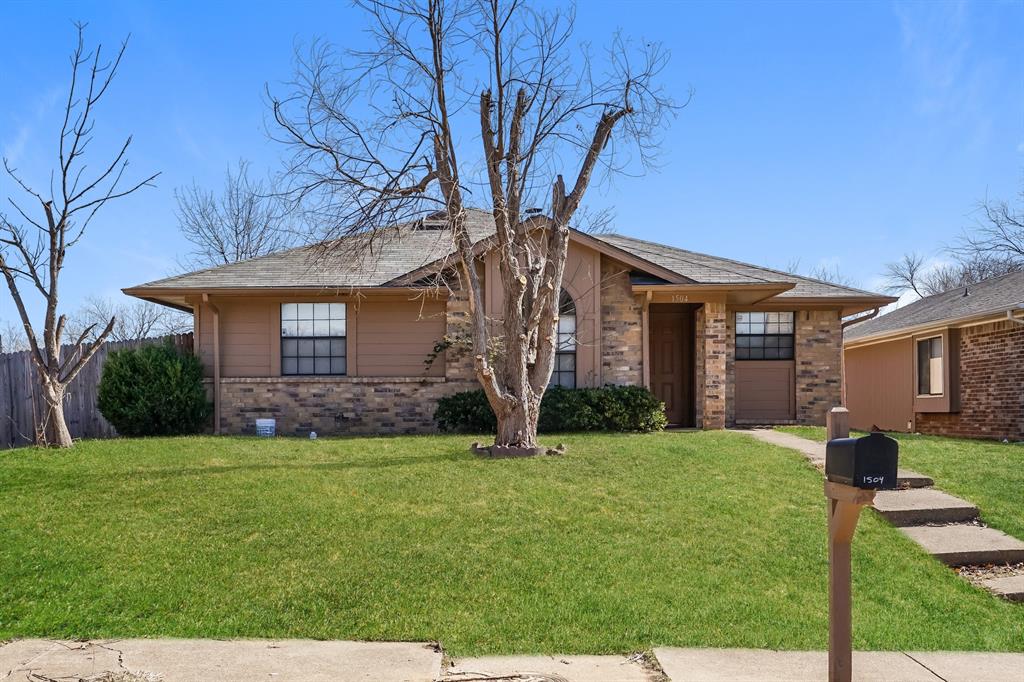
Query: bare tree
x=826, y=273
x=12, y=338
x=998, y=234
x=136, y=320
x=246, y=220
x=378, y=137
x=33, y=249
x=913, y=273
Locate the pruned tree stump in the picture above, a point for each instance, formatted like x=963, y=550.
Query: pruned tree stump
x=506, y=451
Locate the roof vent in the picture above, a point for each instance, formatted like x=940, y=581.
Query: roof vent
x=967, y=291
x=434, y=221
x=534, y=211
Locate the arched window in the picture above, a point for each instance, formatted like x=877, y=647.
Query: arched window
x=564, y=373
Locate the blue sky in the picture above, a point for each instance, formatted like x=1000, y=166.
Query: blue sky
x=837, y=133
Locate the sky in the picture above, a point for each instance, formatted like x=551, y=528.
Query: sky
x=839, y=134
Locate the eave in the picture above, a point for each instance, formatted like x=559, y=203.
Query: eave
x=994, y=315
x=734, y=294
x=181, y=298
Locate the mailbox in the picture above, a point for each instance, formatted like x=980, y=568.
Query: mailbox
x=867, y=462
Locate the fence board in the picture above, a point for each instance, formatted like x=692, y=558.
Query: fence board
x=21, y=401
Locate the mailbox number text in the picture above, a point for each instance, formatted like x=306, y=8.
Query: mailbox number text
x=879, y=480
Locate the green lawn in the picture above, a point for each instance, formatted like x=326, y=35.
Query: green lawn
x=627, y=542
x=988, y=473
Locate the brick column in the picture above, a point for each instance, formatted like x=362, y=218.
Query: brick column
x=819, y=350
x=713, y=343
x=458, y=359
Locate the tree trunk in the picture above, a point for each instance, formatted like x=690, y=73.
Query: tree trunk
x=55, y=427
x=517, y=426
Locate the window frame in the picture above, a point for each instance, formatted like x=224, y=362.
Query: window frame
x=331, y=323
x=941, y=357
x=763, y=336
x=567, y=347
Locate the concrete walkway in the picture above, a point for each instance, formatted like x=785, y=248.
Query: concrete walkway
x=945, y=526
x=750, y=665
x=201, y=660
x=204, y=660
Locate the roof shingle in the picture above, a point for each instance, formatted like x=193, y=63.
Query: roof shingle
x=988, y=297
x=403, y=249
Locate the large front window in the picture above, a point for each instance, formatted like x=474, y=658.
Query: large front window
x=564, y=373
x=929, y=366
x=764, y=336
x=313, y=338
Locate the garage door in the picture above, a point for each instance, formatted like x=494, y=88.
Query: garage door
x=765, y=390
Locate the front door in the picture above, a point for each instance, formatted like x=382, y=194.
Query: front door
x=672, y=360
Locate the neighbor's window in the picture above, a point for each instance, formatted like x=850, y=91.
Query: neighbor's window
x=313, y=338
x=929, y=366
x=764, y=336
x=564, y=373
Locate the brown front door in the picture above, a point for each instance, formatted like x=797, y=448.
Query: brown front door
x=672, y=360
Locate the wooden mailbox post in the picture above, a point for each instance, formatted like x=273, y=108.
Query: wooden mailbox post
x=844, y=505
x=854, y=469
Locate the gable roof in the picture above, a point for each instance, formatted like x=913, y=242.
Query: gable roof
x=396, y=254
x=704, y=269
x=990, y=297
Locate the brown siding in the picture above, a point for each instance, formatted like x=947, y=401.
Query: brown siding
x=388, y=336
x=394, y=337
x=880, y=385
x=582, y=279
x=764, y=390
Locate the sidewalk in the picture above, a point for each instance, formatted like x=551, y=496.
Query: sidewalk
x=184, y=660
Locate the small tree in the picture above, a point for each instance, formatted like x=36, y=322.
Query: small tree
x=135, y=320
x=378, y=139
x=33, y=249
x=246, y=220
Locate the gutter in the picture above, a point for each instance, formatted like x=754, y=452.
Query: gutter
x=862, y=318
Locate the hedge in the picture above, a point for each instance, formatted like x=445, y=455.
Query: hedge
x=610, y=408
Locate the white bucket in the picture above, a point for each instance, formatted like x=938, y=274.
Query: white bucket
x=266, y=427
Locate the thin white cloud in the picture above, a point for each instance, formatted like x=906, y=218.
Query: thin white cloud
x=950, y=82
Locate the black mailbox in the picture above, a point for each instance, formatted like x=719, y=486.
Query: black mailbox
x=868, y=462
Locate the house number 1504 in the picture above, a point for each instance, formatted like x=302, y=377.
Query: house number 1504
x=680, y=298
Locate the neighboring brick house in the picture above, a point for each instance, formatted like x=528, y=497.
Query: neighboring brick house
x=343, y=343
x=950, y=364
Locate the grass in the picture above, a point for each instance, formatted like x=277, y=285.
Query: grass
x=627, y=542
x=988, y=473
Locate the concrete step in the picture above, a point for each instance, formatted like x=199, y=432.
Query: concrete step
x=905, y=478
x=918, y=506
x=964, y=544
x=1009, y=587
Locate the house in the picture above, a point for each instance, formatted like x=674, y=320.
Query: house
x=351, y=341
x=949, y=364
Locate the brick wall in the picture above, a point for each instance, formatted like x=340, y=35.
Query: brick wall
x=621, y=327
x=730, y=367
x=713, y=391
x=458, y=358
x=819, y=351
x=698, y=365
x=991, y=386
x=334, y=405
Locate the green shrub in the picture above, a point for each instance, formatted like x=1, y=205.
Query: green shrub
x=466, y=412
x=611, y=408
x=153, y=391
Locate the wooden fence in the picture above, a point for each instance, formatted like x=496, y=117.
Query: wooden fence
x=21, y=398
